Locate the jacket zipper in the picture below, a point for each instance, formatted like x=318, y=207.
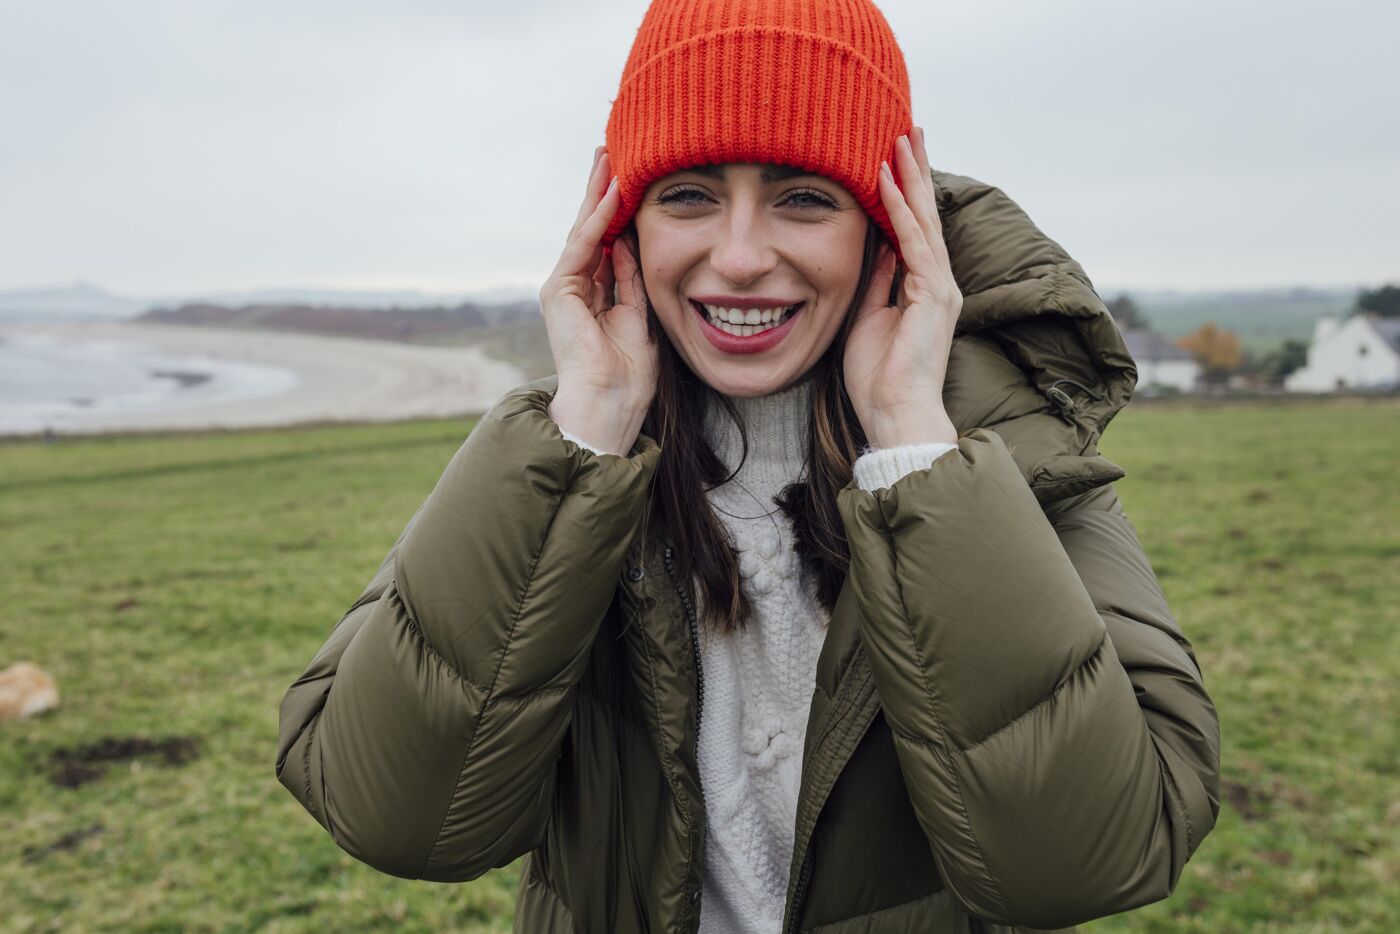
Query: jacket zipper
x=699, y=675
x=797, y=893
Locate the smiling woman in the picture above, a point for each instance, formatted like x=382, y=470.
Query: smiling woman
x=791, y=602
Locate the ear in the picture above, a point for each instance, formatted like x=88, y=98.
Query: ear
x=627, y=273
x=879, y=295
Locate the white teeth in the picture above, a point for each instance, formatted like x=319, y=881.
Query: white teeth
x=745, y=321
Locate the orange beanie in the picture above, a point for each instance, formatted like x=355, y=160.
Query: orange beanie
x=818, y=84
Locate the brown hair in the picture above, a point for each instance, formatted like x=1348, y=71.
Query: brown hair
x=688, y=467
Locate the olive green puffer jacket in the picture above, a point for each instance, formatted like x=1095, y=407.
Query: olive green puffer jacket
x=1008, y=728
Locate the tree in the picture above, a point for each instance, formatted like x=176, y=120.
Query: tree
x=1275, y=365
x=1384, y=301
x=1126, y=313
x=1216, y=349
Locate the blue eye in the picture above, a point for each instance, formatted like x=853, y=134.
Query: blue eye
x=808, y=199
x=682, y=196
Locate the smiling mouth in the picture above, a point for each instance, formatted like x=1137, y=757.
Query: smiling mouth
x=740, y=322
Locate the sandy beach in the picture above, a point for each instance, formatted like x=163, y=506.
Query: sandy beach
x=132, y=376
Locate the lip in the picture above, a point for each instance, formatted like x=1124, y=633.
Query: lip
x=754, y=343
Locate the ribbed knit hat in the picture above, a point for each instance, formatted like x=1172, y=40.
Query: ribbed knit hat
x=818, y=84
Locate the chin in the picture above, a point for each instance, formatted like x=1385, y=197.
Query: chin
x=750, y=381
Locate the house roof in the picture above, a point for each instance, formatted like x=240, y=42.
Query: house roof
x=1388, y=329
x=1149, y=345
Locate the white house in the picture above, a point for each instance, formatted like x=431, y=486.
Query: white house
x=1362, y=352
x=1160, y=362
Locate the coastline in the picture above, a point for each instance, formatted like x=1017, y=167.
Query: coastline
x=223, y=378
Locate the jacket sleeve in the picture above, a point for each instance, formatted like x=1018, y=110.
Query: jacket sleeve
x=425, y=733
x=1049, y=717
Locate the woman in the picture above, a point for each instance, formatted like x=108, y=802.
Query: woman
x=829, y=620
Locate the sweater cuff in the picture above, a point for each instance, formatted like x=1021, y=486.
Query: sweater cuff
x=581, y=443
x=878, y=468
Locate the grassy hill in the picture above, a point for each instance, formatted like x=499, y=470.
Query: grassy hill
x=176, y=585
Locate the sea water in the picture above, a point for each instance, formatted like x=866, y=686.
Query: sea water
x=49, y=381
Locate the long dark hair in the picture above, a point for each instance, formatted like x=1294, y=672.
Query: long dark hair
x=688, y=468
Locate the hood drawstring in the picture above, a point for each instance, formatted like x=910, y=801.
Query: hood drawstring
x=1066, y=405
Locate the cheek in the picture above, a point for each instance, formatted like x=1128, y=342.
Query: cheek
x=837, y=250
x=662, y=276
x=838, y=267
x=662, y=257
x=662, y=286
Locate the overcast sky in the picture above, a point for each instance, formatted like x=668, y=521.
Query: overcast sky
x=166, y=147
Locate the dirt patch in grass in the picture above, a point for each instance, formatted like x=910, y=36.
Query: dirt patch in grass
x=1254, y=801
x=73, y=766
x=67, y=841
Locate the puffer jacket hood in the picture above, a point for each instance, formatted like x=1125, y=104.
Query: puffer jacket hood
x=1008, y=730
x=1024, y=294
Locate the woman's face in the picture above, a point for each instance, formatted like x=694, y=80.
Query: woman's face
x=756, y=238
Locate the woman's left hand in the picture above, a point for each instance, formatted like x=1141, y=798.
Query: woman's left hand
x=897, y=355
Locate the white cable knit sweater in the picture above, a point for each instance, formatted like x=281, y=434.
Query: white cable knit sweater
x=759, y=683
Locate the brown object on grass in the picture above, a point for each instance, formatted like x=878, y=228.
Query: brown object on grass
x=26, y=690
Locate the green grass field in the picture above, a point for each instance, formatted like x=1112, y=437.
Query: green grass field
x=176, y=585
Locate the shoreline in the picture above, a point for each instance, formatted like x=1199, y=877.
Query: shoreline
x=229, y=379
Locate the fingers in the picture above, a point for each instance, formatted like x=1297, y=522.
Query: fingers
x=583, y=251
x=597, y=179
x=913, y=244
x=916, y=186
x=921, y=156
x=917, y=198
x=935, y=235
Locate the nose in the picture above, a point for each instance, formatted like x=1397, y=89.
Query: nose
x=744, y=252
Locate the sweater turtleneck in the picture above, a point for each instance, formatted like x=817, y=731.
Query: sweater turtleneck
x=777, y=431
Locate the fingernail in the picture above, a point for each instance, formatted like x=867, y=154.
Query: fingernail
x=611, y=185
x=885, y=169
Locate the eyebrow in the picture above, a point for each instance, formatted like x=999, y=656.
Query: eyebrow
x=770, y=174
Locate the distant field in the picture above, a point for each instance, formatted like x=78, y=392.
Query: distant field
x=1262, y=322
x=175, y=586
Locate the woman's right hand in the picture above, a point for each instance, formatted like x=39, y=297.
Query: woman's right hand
x=607, y=365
